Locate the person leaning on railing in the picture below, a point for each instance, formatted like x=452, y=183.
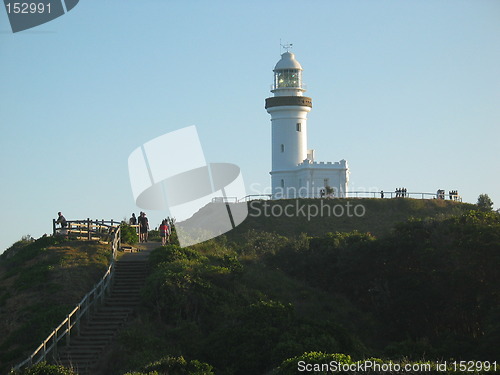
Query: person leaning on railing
x=62, y=221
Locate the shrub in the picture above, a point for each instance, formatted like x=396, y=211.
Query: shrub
x=46, y=369
x=170, y=365
x=291, y=365
x=129, y=234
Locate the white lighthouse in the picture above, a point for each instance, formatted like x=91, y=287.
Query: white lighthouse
x=294, y=172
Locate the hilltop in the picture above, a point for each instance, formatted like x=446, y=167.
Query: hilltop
x=315, y=217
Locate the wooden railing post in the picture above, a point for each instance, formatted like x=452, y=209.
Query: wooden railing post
x=68, y=329
x=53, y=227
x=103, y=290
x=77, y=323
x=88, y=229
x=55, y=344
x=87, y=309
x=119, y=234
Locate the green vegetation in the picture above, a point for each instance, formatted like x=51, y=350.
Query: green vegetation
x=431, y=286
x=47, y=369
x=381, y=215
x=246, y=302
x=428, y=288
x=128, y=234
x=175, y=366
x=484, y=202
x=422, y=288
x=40, y=282
x=203, y=306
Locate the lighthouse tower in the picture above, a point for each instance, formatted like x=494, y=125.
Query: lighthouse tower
x=294, y=172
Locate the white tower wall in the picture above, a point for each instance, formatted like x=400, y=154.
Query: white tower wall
x=289, y=136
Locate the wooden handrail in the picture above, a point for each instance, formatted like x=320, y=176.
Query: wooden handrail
x=72, y=320
x=86, y=227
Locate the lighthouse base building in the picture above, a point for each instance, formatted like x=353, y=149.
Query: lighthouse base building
x=295, y=173
x=311, y=179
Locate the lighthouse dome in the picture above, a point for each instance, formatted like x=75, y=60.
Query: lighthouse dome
x=287, y=62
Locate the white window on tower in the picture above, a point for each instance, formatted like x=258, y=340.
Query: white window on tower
x=282, y=148
x=299, y=127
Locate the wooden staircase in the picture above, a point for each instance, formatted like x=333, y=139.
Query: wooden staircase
x=85, y=350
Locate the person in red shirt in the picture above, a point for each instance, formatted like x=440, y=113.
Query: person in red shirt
x=164, y=232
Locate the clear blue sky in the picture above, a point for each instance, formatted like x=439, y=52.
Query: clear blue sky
x=407, y=91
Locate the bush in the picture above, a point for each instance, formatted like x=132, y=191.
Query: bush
x=46, y=369
x=172, y=253
x=259, y=242
x=129, y=234
x=179, y=366
x=291, y=365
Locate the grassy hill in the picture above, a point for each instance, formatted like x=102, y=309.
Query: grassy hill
x=40, y=282
x=282, y=288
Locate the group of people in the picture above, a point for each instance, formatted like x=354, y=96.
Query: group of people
x=143, y=223
x=453, y=194
x=401, y=193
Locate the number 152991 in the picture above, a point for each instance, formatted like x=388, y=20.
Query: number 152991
x=27, y=8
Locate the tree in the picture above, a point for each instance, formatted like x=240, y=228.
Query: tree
x=329, y=191
x=484, y=202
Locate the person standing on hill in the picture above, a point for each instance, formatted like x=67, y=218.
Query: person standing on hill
x=164, y=232
x=133, y=220
x=143, y=227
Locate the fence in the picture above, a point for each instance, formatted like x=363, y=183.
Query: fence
x=247, y=198
x=71, y=325
x=394, y=194
x=86, y=229
x=253, y=197
x=364, y=194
